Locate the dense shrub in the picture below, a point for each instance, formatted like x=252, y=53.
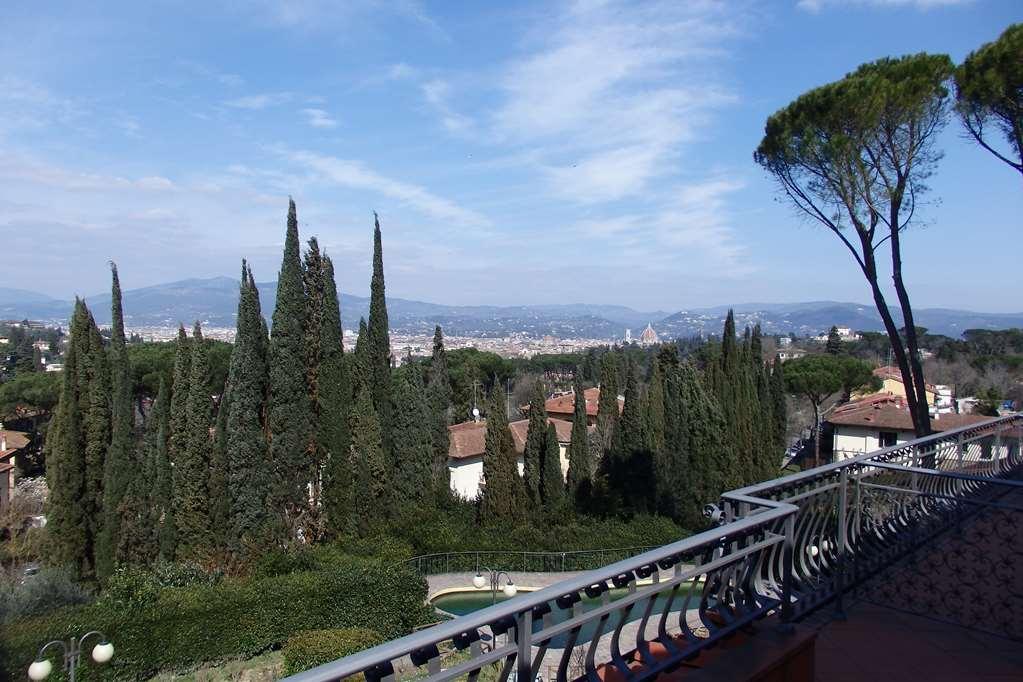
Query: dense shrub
x=186, y=626
x=49, y=589
x=315, y=647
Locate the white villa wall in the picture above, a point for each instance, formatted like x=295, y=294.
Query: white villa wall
x=467, y=472
x=850, y=441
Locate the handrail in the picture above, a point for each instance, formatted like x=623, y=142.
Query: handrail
x=527, y=556
x=786, y=545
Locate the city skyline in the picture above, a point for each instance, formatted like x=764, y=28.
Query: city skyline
x=589, y=153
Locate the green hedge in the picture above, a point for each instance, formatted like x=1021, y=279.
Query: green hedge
x=315, y=647
x=182, y=627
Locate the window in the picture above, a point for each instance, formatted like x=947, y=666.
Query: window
x=887, y=439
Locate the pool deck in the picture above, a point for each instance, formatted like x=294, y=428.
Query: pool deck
x=444, y=583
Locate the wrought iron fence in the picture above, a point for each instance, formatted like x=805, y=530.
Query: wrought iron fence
x=785, y=546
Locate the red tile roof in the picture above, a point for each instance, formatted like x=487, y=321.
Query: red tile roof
x=469, y=438
x=885, y=411
x=565, y=404
x=16, y=440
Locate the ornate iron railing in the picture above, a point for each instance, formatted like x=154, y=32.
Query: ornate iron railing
x=785, y=546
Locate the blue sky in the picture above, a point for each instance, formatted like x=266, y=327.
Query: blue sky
x=526, y=153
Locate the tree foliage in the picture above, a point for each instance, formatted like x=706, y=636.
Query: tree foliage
x=989, y=95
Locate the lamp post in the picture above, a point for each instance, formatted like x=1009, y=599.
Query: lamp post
x=101, y=653
x=480, y=581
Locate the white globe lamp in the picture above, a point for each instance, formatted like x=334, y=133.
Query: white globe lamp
x=40, y=670
x=103, y=652
x=479, y=581
x=510, y=590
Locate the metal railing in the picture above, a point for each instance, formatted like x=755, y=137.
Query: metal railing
x=783, y=547
x=524, y=562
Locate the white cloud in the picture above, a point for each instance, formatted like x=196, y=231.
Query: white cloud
x=354, y=174
x=436, y=94
x=818, y=5
x=613, y=91
x=401, y=71
x=694, y=221
x=319, y=118
x=261, y=101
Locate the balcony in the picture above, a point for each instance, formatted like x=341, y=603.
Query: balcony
x=904, y=563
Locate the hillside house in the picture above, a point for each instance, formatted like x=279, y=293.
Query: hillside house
x=563, y=406
x=467, y=442
x=882, y=420
x=10, y=443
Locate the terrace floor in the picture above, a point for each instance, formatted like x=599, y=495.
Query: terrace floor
x=877, y=642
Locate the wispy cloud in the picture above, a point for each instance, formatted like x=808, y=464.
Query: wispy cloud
x=260, y=101
x=818, y=5
x=436, y=94
x=355, y=174
x=693, y=220
x=203, y=71
x=319, y=118
x=614, y=90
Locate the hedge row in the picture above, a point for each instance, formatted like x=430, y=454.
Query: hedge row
x=180, y=628
x=315, y=647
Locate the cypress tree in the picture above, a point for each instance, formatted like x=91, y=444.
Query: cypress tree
x=97, y=425
x=313, y=280
x=178, y=416
x=371, y=497
x=502, y=491
x=834, y=344
x=674, y=480
x=219, y=491
x=711, y=472
x=288, y=418
x=247, y=464
x=161, y=509
x=536, y=441
x=439, y=394
x=334, y=400
x=191, y=493
x=379, y=341
x=360, y=373
x=412, y=441
x=780, y=405
x=120, y=466
x=607, y=404
x=552, y=482
x=628, y=467
x=138, y=542
x=580, y=463
x=75, y=445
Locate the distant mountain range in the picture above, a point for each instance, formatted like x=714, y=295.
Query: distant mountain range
x=214, y=302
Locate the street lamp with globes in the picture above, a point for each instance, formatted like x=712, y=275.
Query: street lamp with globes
x=42, y=667
x=479, y=581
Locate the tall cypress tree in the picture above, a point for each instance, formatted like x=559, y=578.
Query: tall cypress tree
x=191, y=493
x=607, y=405
x=313, y=279
x=120, y=466
x=221, y=534
x=334, y=401
x=439, y=394
x=360, y=370
x=248, y=466
x=502, y=496
x=552, y=482
x=412, y=441
x=580, y=462
x=710, y=467
x=379, y=341
x=628, y=467
x=138, y=541
x=161, y=510
x=288, y=419
x=780, y=404
x=178, y=416
x=536, y=440
x=372, y=494
x=76, y=444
